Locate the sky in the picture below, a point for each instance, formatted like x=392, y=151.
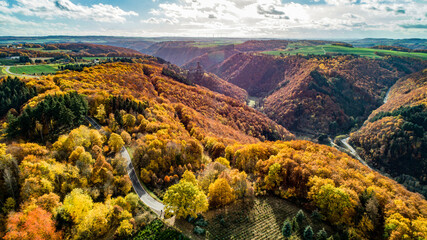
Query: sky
x=310, y=19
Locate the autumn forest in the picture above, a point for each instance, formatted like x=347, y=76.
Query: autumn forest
x=174, y=140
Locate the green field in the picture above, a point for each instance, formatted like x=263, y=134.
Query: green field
x=44, y=50
x=206, y=44
x=93, y=58
x=332, y=49
x=35, y=69
x=4, y=61
x=261, y=218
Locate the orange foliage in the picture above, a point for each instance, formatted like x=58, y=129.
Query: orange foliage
x=322, y=174
x=35, y=224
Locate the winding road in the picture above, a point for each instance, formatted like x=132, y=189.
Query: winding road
x=387, y=95
x=148, y=200
x=324, y=52
x=7, y=70
x=350, y=148
x=353, y=151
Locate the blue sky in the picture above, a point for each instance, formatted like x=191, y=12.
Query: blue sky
x=220, y=18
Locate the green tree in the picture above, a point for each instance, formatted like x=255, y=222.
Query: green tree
x=9, y=206
x=308, y=233
x=287, y=228
x=300, y=216
x=295, y=225
x=321, y=235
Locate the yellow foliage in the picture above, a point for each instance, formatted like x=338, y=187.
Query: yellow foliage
x=223, y=161
x=115, y=142
x=185, y=198
x=220, y=193
x=78, y=204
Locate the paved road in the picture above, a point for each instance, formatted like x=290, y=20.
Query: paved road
x=387, y=95
x=7, y=69
x=324, y=52
x=146, y=198
x=353, y=151
x=350, y=148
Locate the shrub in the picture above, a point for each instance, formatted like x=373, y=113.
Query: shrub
x=300, y=217
x=222, y=222
x=321, y=235
x=200, y=221
x=176, y=76
x=287, y=229
x=308, y=233
x=199, y=231
x=316, y=216
x=295, y=225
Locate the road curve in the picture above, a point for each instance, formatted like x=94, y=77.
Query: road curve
x=7, y=69
x=146, y=198
x=387, y=95
x=353, y=151
x=324, y=52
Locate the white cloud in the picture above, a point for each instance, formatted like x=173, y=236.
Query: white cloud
x=274, y=18
x=159, y=21
x=340, y=2
x=227, y=18
x=50, y=9
x=8, y=20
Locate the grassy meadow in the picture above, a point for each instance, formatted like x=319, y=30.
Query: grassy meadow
x=34, y=69
x=333, y=49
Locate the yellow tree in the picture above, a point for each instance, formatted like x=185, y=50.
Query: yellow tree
x=397, y=227
x=220, y=193
x=335, y=203
x=185, y=198
x=189, y=177
x=223, y=161
x=126, y=137
x=78, y=204
x=95, y=223
x=274, y=178
x=239, y=182
x=96, y=139
x=420, y=228
x=129, y=121
x=125, y=229
x=116, y=142
x=101, y=114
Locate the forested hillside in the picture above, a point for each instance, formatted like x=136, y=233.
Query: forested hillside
x=212, y=52
x=216, y=84
x=394, y=138
x=76, y=183
x=70, y=49
x=176, y=52
x=316, y=94
x=195, y=149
